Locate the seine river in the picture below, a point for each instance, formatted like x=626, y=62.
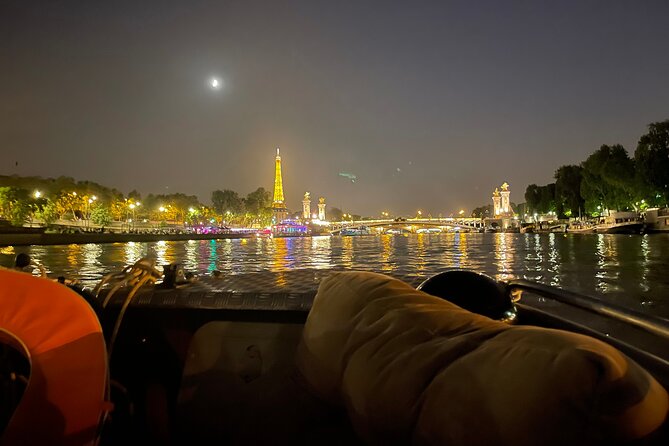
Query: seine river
x=630, y=270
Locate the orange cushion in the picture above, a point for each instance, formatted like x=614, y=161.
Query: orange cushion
x=413, y=368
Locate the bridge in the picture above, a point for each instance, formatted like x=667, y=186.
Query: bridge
x=409, y=223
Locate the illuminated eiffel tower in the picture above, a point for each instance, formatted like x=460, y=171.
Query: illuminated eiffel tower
x=278, y=206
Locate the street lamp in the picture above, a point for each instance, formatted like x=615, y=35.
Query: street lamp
x=37, y=194
x=88, y=212
x=132, y=208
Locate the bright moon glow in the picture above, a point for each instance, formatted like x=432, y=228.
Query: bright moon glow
x=215, y=83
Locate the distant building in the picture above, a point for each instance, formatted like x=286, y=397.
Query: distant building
x=321, y=209
x=306, y=206
x=503, y=215
x=501, y=201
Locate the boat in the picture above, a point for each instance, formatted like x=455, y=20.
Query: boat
x=657, y=220
x=213, y=360
x=289, y=229
x=620, y=223
x=433, y=230
x=558, y=228
x=527, y=228
x=580, y=227
x=362, y=230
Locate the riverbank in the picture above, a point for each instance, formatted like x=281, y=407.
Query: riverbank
x=84, y=238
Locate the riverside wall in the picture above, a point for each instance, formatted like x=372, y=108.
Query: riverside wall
x=68, y=239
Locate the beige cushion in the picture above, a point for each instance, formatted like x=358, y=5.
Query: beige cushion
x=413, y=368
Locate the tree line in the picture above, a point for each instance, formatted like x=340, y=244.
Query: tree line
x=24, y=199
x=609, y=179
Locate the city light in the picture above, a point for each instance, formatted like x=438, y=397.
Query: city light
x=37, y=194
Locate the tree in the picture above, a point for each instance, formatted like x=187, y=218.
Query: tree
x=568, y=200
x=651, y=159
x=520, y=209
x=117, y=208
x=482, y=211
x=14, y=205
x=175, y=206
x=134, y=196
x=48, y=213
x=258, y=200
x=336, y=214
x=69, y=202
x=6, y=200
x=608, y=179
x=547, y=198
x=19, y=213
x=101, y=215
x=533, y=197
x=226, y=201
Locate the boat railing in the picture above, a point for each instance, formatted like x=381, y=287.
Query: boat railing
x=647, y=322
x=643, y=337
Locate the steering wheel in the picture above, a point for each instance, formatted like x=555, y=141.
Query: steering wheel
x=472, y=291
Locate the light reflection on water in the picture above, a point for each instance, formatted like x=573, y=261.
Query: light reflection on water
x=628, y=269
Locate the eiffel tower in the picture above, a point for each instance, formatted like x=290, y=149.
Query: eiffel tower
x=278, y=206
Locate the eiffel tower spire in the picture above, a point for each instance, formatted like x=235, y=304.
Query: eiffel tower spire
x=278, y=183
x=278, y=206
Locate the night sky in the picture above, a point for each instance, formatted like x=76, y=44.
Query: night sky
x=430, y=104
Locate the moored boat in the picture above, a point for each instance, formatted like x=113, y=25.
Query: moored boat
x=580, y=227
x=657, y=220
x=362, y=230
x=620, y=223
x=558, y=228
x=289, y=229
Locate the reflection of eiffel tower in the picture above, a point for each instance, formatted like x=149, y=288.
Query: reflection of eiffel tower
x=278, y=206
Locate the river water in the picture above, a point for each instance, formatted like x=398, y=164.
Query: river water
x=629, y=270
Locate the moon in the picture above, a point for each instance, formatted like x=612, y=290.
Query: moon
x=215, y=83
